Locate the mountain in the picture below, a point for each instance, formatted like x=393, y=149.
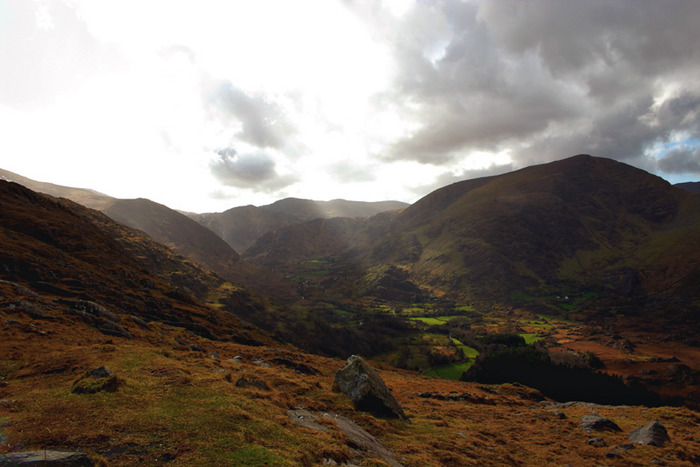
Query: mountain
x=171, y=228
x=190, y=239
x=84, y=196
x=240, y=227
x=115, y=346
x=76, y=261
x=582, y=226
x=693, y=187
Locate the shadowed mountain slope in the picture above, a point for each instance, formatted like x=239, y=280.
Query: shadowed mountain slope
x=71, y=255
x=171, y=228
x=201, y=245
x=582, y=224
x=693, y=187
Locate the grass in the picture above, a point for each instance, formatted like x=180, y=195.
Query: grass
x=434, y=320
x=531, y=338
x=452, y=372
x=469, y=352
x=536, y=324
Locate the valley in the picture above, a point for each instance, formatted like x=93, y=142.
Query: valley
x=500, y=312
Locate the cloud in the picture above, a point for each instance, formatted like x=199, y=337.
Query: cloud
x=544, y=80
x=47, y=51
x=348, y=172
x=681, y=160
x=255, y=171
x=263, y=122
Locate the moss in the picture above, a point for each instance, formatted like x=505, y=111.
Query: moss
x=93, y=385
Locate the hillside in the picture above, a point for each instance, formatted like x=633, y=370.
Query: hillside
x=172, y=229
x=240, y=227
x=74, y=258
x=190, y=239
x=581, y=226
x=188, y=383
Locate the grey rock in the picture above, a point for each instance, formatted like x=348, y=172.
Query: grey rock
x=558, y=413
x=597, y=442
x=653, y=433
x=363, y=443
x=214, y=355
x=47, y=458
x=361, y=383
x=261, y=363
x=101, y=372
x=306, y=419
x=594, y=422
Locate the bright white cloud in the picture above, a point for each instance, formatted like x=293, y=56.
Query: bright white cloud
x=327, y=98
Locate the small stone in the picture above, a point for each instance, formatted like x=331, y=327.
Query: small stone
x=558, y=413
x=594, y=422
x=597, y=442
x=214, y=355
x=261, y=363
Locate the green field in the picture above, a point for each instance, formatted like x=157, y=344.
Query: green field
x=531, y=338
x=434, y=320
x=469, y=352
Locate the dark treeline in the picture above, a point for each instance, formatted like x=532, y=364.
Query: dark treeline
x=529, y=366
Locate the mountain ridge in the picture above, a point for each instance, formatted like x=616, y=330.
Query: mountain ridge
x=582, y=223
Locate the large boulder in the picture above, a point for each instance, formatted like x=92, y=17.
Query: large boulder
x=653, y=433
x=361, y=383
x=47, y=458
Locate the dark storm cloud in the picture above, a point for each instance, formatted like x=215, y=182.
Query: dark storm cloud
x=547, y=80
x=685, y=160
x=263, y=122
x=252, y=171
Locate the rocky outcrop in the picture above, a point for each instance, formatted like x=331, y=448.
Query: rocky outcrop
x=361, y=383
x=47, y=458
x=594, y=422
x=362, y=444
x=653, y=433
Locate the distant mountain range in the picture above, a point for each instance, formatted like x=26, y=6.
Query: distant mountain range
x=580, y=227
x=693, y=187
x=201, y=241
x=240, y=227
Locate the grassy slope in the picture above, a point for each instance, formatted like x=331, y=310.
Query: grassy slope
x=181, y=407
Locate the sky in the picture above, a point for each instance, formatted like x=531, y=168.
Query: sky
x=206, y=105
